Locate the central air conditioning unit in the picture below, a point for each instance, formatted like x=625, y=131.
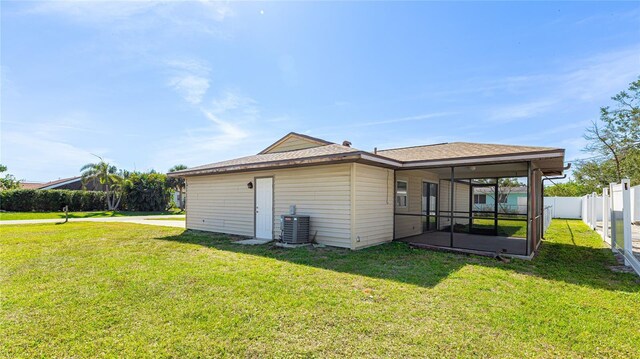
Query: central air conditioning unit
x=295, y=229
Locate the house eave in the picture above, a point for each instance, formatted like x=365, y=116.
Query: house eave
x=483, y=160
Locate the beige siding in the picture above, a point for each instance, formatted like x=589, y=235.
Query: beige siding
x=373, y=205
x=223, y=203
x=293, y=143
x=461, y=202
x=220, y=204
x=412, y=225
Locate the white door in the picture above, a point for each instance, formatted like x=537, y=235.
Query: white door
x=264, y=208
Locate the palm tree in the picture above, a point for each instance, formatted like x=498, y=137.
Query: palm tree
x=178, y=184
x=107, y=175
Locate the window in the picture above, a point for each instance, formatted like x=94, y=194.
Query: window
x=401, y=194
x=480, y=199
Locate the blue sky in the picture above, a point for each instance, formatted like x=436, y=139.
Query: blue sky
x=149, y=85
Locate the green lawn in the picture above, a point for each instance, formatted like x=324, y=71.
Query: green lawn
x=126, y=290
x=506, y=227
x=9, y=216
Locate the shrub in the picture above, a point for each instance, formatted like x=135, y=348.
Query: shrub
x=147, y=192
x=26, y=200
x=142, y=192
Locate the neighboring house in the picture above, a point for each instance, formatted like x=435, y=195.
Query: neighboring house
x=31, y=185
x=358, y=199
x=511, y=200
x=71, y=183
x=178, y=197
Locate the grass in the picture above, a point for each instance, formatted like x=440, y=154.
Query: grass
x=506, y=228
x=9, y=216
x=125, y=290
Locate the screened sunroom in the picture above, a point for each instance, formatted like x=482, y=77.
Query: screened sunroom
x=493, y=208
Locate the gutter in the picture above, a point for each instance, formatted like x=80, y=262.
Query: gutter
x=482, y=159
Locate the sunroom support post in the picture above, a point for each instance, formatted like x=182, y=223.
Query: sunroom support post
x=495, y=207
x=451, y=206
x=529, y=208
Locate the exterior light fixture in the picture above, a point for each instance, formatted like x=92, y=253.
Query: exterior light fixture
x=250, y=185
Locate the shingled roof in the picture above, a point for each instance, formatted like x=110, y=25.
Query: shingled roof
x=391, y=158
x=332, y=152
x=443, y=151
x=31, y=185
x=48, y=185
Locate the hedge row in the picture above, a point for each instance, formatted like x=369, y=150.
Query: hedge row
x=26, y=200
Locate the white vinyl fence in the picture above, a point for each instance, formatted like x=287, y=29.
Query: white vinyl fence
x=564, y=207
x=613, y=211
x=635, y=203
x=592, y=210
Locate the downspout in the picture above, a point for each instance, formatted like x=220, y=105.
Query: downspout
x=529, y=204
x=394, y=203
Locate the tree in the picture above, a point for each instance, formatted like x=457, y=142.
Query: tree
x=616, y=139
x=107, y=175
x=593, y=175
x=147, y=192
x=178, y=184
x=568, y=189
x=505, y=187
x=8, y=181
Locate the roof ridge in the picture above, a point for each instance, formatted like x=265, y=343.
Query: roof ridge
x=501, y=144
x=468, y=143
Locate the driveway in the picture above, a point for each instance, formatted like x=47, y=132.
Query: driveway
x=163, y=220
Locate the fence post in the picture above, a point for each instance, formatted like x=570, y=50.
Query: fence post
x=594, y=211
x=587, y=205
x=592, y=207
x=626, y=218
x=588, y=202
x=605, y=215
x=614, y=234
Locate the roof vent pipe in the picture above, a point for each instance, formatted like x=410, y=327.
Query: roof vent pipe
x=346, y=143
